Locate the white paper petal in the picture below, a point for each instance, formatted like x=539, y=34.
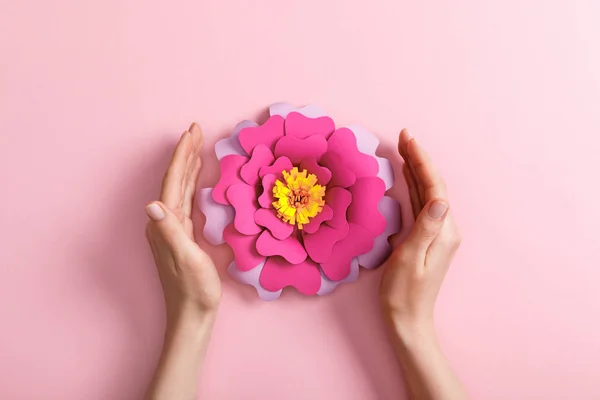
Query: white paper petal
x=231, y=144
x=218, y=216
x=283, y=109
x=367, y=143
x=381, y=250
x=327, y=285
x=252, y=278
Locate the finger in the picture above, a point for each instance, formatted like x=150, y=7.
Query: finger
x=427, y=227
x=171, y=192
x=444, y=247
x=193, y=169
x=166, y=224
x=403, y=140
x=428, y=181
x=415, y=202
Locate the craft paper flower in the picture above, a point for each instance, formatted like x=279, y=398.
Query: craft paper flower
x=300, y=202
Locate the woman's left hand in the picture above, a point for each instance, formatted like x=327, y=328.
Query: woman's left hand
x=189, y=279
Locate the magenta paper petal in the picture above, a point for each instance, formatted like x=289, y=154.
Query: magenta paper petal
x=341, y=176
x=298, y=149
x=267, y=134
x=252, y=277
x=266, y=198
x=261, y=157
x=289, y=248
x=278, y=273
x=323, y=174
x=217, y=215
x=359, y=241
x=231, y=145
x=243, y=198
x=244, y=248
x=390, y=209
x=280, y=164
x=278, y=228
x=319, y=245
x=338, y=199
x=327, y=285
x=343, y=143
x=366, y=194
x=230, y=175
x=283, y=109
x=300, y=126
x=367, y=143
x=325, y=215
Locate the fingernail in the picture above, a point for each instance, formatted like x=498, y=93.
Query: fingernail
x=437, y=209
x=155, y=212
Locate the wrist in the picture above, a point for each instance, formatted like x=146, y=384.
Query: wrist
x=411, y=331
x=188, y=317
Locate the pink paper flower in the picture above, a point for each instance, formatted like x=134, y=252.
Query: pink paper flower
x=300, y=202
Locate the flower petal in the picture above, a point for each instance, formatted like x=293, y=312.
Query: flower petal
x=267, y=134
x=283, y=109
x=325, y=215
x=323, y=174
x=339, y=200
x=343, y=143
x=298, y=149
x=243, y=198
x=359, y=241
x=341, y=176
x=367, y=143
x=278, y=228
x=386, y=172
x=390, y=209
x=230, y=174
x=280, y=164
x=289, y=248
x=218, y=216
x=319, y=245
x=266, y=198
x=261, y=157
x=231, y=144
x=244, y=248
x=300, y=126
x=364, y=211
x=278, y=273
x=327, y=285
x=252, y=277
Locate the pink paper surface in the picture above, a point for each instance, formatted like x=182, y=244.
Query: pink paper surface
x=94, y=95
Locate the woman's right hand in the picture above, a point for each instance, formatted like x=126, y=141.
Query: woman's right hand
x=416, y=269
x=412, y=279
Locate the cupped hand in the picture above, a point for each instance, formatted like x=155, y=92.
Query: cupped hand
x=188, y=276
x=416, y=269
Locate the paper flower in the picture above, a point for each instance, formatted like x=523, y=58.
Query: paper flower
x=300, y=202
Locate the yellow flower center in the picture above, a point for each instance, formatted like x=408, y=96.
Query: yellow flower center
x=299, y=198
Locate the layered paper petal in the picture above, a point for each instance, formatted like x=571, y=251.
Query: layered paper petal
x=381, y=250
x=218, y=216
x=278, y=273
x=267, y=134
x=300, y=126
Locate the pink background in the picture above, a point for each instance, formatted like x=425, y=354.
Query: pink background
x=505, y=95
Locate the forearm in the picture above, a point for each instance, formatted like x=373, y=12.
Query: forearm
x=428, y=373
x=184, y=348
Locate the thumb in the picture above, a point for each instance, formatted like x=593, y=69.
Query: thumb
x=166, y=224
x=428, y=225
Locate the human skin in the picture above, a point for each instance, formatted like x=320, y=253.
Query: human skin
x=192, y=289
x=413, y=276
